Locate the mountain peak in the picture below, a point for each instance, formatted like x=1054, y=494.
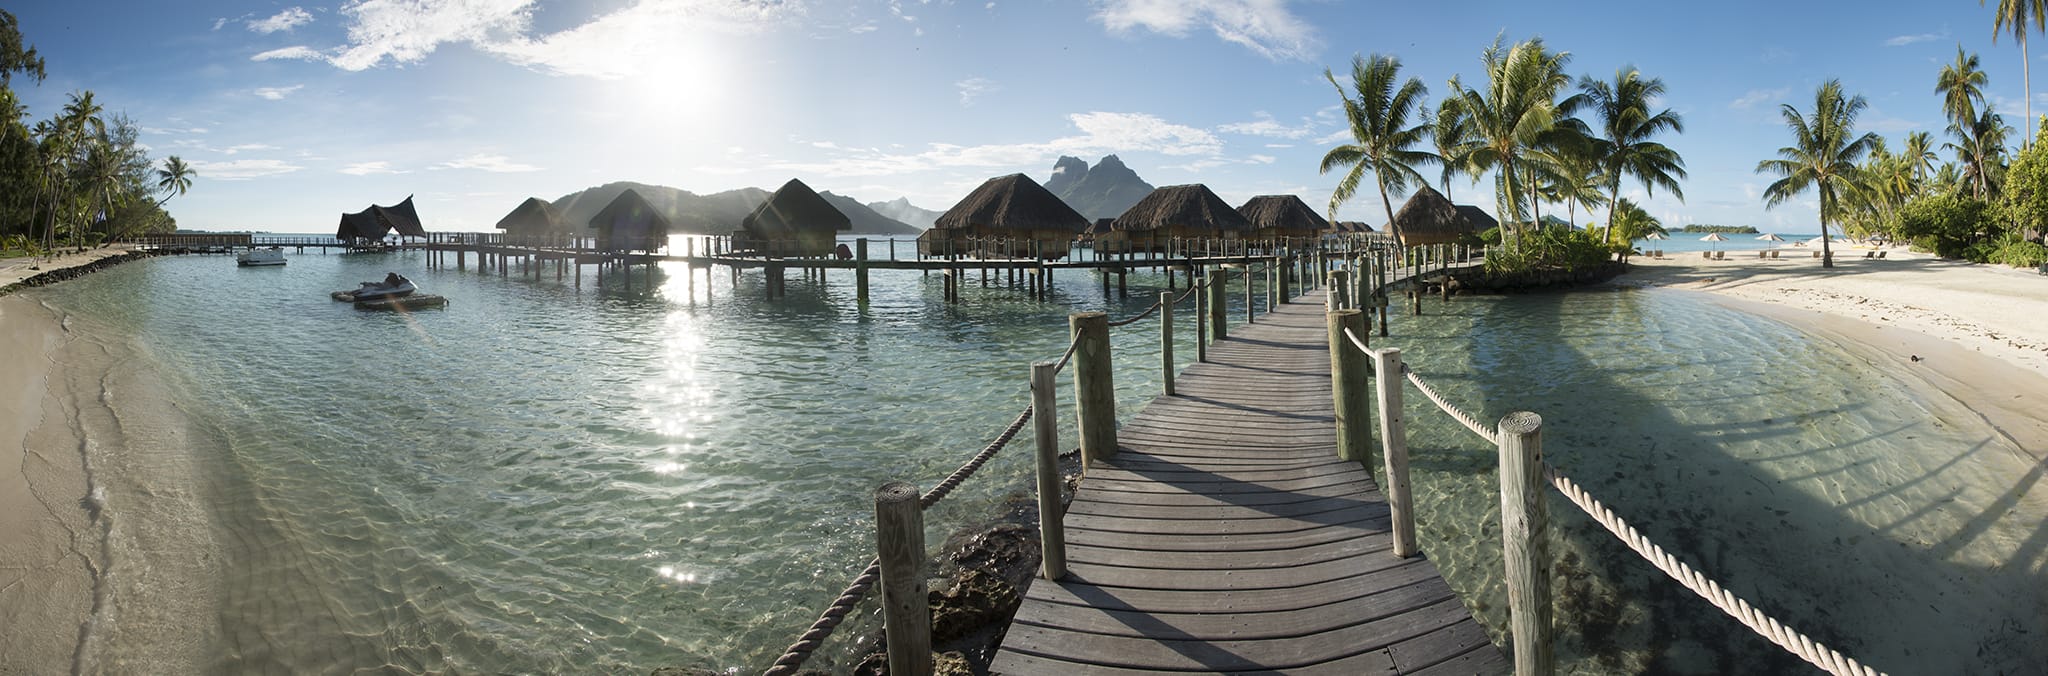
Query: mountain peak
x=1105, y=191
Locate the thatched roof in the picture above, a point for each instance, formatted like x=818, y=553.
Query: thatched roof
x=1190, y=207
x=376, y=222
x=1013, y=202
x=631, y=218
x=1478, y=218
x=794, y=208
x=1282, y=212
x=1428, y=218
x=535, y=215
x=1350, y=226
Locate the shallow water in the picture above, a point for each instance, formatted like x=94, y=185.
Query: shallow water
x=542, y=479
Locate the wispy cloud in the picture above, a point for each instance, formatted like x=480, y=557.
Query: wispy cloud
x=1263, y=124
x=242, y=170
x=972, y=88
x=1266, y=27
x=218, y=23
x=292, y=52
x=286, y=20
x=1903, y=40
x=246, y=147
x=367, y=168
x=1756, y=96
x=277, y=93
x=487, y=162
x=1101, y=132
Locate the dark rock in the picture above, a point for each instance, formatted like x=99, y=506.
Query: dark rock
x=55, y=276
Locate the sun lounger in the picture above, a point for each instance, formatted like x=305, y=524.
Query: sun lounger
x=1869, y=254
x=1720, y=255
x=1709, y=255
x=1774, y=255
x=1763, y=254
x=1816, y=254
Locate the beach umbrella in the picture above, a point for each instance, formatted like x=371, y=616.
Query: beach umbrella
x=1714, y=237
x=1817, y=240
x=1655, y=236
x=1771, y=237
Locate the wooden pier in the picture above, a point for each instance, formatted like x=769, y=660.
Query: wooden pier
x=1226, y=535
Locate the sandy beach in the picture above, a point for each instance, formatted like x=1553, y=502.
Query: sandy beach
x=14, y=270
x=1973, y=334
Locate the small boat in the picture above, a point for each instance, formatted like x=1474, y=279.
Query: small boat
x=394, y=286
x=260, y=257
x=403, y=303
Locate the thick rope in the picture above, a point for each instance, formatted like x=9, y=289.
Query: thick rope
x=1793, y=641
x=1070, y=353
x=835, y=614
x=1147, y=313
x=1471, y=423
x=1355, y=342
x=1191, y=291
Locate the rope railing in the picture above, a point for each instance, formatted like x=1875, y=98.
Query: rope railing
x=1764, y=625
x=1154, y=307
x=835, y=614
x=1069, y=355
x=1468, y=420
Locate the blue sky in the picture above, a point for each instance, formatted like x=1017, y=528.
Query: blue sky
x=294, y=112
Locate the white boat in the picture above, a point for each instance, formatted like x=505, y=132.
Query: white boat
x=257, y=257
x=394, y=286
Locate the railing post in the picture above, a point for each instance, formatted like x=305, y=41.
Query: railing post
x=1094, y=389
x=1045, y=423
x=1202, y=321
x=1349, y=388
x=1394, y=443
x=1248, y=278
x=1523, y=520
x=860, y=270
x=1340, y=291
x=1216, y=304
x=906, y=614
x=1284, y=283
x=1166, y=339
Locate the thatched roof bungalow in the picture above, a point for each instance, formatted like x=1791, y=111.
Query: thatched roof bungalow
x=1478, y=218
x=1283, y=217
x=1429, y=218
x=629, y=223
x=1175, y=211
x=1348, y=227
x=1011, y=216
x=535, y=218
x=374, y=223
x=795, y=221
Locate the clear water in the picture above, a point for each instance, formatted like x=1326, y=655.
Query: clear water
x=538, y=479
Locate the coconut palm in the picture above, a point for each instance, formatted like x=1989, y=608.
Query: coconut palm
x=1382, y=139
x=1449, y=130
x=1567, y=172
x=1822, y=157
x=1961, y=86
x=174, y=179
x=1980, y=151
x=1623, y=144
x=1631, y=223
x=1516, y=107
x=2014, y=15
x=1919, y=154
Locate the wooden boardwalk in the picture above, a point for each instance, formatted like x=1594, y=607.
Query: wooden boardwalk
x=1227, y=536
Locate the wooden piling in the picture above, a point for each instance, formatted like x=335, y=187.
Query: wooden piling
x=1094, y=386
x=1394, y=447
x=1349, y=387
x=1201, y=321
x=1217, y=306
x=1524, y=520
x=1340, y=290
x=860, y=271
x=906, y=612
x=1045, y=423
x=1166, y=339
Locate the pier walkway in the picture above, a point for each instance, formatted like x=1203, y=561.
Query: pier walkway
x=1226, y=535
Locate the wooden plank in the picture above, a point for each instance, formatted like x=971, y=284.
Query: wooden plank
x=1166, y=649
x=1313, y=616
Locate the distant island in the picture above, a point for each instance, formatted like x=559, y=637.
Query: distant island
x=1723, y=229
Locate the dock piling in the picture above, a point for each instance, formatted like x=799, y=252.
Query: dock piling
x=1045, y=423
x=1523, y=520
x=906, y=612
x=1094, y=387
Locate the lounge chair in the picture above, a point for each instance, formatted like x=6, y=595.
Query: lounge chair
x=1816, y=254
x=1774, y=255
x=1869, y=254
x=1761, y=254
x=1881, y=254
x=1709, y=255
x=1720, y=255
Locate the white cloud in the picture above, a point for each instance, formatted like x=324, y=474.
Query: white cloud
x=245, y=147
x=277, y=93
x=1260, y=159
x=972, y=88
x=486, y=162
x=1101, y=132
x=1903, y=40
x=1279, y=145
x=1756, y=96
x=1265, y=125
x=1263, y=26
x=242, y=170
x=1339, y=136
x=292, y=52
x=367, y=168
x=217, y=23
x=407, y=31
x=284, y=21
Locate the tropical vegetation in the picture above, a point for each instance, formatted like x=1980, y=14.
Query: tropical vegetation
x=80, y=177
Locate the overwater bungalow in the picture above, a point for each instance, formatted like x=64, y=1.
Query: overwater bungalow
x=1007, y=217
x=367, y=228
x=1185, y=212
x=1283, y=218
x=1428, y=218
x=1348, y=228
x=536, y=219
x=795, y=221
x=629, y=223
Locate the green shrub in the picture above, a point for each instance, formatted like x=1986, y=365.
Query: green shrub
x=2017, y=252
x=1555, y=249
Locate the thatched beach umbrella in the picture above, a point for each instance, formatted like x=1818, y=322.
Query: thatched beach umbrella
x=795, y=221
x=1014, y=207
x=1188, y=211
x=1428, y=218
x=1282, y=216
x=375, y=222
x=1771, y=237
x=629, y=223
x=534, y=217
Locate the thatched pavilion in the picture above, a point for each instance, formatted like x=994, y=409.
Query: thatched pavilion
x=372, y=224
x=629, y=223
x=795, y=221
x=1478, y=218
x=1010, y=215
x=1175, y=211
x=1429, y=218
x=535, y=218
x=1283, y=217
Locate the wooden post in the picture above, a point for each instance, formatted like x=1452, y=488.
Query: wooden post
x=906, y=612
x=1094, y=387
x=1045, y=422
x=1349, y=388
x=1248, y=277
x=1201, y=321
x=860, y=271
x=1286, y=279
x=1340, y=291
x=1216, y=305
x=1166, y=339
x=1394, y=443
x=1523, y=520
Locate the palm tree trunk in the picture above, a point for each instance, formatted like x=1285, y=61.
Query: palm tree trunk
x=1389, y=204
x=1827, y=255
x=1613, y=203
x=2027, y=86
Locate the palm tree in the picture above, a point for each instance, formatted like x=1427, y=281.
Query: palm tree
x=1823, y=155
x=1961, y=86
x=1382, y=138
x=2014, y=15
x=1919, y=154
x=1449, y=130
x=174, y=179
x=1513, y=112
x=1631, y=223
x=1626, y=127
x=1980, y=149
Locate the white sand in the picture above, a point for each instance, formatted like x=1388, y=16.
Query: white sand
x=49, y=546
x=16, y=269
